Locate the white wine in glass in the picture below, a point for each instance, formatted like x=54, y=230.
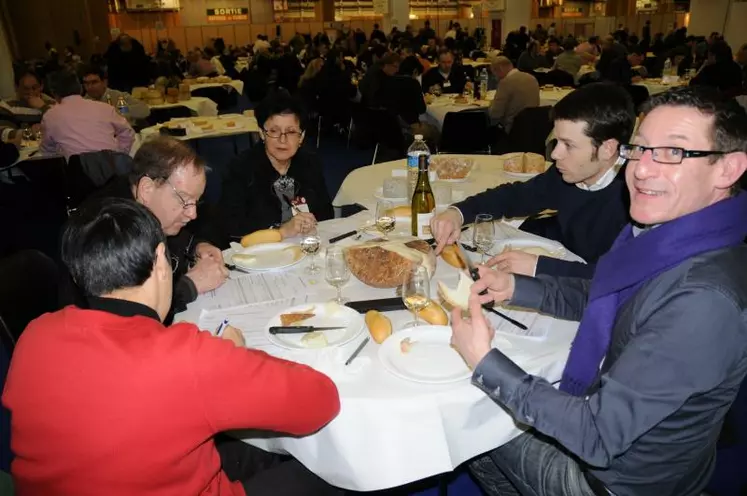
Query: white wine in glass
x=483, y=234
x=385, y=221
x=416, y=292
x=310, y=246
x=336, y=271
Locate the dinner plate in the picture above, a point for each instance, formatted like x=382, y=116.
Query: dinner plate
x=430, y=359
x=269, y=256
x=325, y=315
x=525, y=175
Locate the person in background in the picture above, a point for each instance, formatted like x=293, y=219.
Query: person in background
x=427, y=33
x=531, y=59
x=378, y=34
x=584, y=185
x=720, y=70
x=693, y=59
x=199, y=64
x=77, y=125
x=146, y=372
x=448, y=76
x=553, y=50
x=127, y=63
x=278, y=185
x=30, y=95
x=621, y=70
x=589, y=50
x=375, y=84
x=516, y=91
x=169, y=179
x=660, y=353
x=569, y=60
x=96, y=85
x=212, y=56
x=551, y=30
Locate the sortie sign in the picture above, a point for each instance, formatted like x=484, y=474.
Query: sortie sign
x=228, y=14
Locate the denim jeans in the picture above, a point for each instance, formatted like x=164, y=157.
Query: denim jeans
x=530, y=465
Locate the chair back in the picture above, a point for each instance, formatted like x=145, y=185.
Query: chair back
x=381, y=127
x=48, y=175
x=465, y=132
x=638, y=93
x=559, y=78
x=159, y=115
x=89, y=171
x=224, y=96
x=529, y=131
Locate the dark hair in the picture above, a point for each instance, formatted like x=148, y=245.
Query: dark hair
x=376, y=26
x=410, y=65
x=606, y=108
x=593, y=39
x=636, y=50
x=569, y=45
x=96, y=70
x=159, y=157
x=729, y=132
x=444, y=51
x=390, y=58
x=25, y=73
x=553, y=39
x=720, y=50
x=64, y=83
x=280, y=103
x=111, y=244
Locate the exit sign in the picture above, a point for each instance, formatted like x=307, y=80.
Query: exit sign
x=228, y=14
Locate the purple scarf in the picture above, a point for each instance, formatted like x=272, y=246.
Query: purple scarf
x=634, y=260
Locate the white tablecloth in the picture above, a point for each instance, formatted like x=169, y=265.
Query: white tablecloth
x=390, y=431
x=359, y=186
x=657, y=87
x=245, y=125
x=237, y=84
x=199, y=105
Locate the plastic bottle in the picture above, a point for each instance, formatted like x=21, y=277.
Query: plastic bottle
x=122, y=106
x=484, y=84
x=418, y=148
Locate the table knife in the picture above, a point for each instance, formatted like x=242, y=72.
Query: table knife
x=300, y=329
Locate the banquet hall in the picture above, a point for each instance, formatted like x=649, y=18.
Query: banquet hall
x=333, y=193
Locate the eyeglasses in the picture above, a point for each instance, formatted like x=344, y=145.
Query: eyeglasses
x=185, y=205
x=289, y=135
x=664, y=154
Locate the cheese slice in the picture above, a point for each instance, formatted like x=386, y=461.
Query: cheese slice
x=287, y=319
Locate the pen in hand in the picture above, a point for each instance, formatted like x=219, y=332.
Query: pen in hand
x=221, y=328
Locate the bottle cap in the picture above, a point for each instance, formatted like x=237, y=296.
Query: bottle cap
x=418, y=136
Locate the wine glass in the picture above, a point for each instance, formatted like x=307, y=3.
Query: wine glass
x=310, y=243
x=416, y=292
x=483, y=234
x=385, y=221
x=336, y=271
x=28, y=134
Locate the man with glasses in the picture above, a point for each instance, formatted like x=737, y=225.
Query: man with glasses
x=96, y=84
x=169, y=178
x=661, y=350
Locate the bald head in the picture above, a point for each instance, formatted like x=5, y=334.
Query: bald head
x=501, y=66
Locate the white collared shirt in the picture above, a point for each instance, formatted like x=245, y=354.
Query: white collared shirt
x=601, y=183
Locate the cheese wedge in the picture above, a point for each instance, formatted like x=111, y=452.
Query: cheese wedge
x=287, y=319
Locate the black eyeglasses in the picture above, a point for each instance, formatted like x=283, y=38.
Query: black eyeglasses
x=276, y=134
x=664, y=154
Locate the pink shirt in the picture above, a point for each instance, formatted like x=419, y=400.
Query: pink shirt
x=78, y=126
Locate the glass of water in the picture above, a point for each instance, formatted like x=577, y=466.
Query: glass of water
x=336, y=271
x=310, y=243
x=483, y=234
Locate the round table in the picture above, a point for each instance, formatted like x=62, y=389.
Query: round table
x=389, y=431
x=198, y=105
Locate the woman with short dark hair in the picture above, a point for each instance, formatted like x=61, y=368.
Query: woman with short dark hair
x=278, y=185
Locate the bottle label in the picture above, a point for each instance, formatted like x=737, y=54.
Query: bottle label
x=424, y=226
x=124, y=110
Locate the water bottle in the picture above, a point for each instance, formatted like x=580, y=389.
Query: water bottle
x=122, y=107
x=417, y=149
x=484, y=84
x=668, y=67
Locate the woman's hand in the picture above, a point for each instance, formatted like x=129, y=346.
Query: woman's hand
x=300, y=223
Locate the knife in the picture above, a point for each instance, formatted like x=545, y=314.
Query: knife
x=432, y=241
x=475, y=275
x=300, y=329
x=342, y=236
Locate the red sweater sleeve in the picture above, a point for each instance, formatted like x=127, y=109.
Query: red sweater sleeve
x=249, y=389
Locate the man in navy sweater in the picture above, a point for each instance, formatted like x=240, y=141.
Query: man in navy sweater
x=584, y=186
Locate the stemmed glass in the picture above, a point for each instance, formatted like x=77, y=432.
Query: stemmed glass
x=483, y=234
x=336, y=271
x=385, y=221
x=310, y=243
x=416, y=292
x=28, y=133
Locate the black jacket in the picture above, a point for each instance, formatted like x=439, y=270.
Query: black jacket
x=725, y=75
x=181, y=248
x=248, y=202
x=457, y=78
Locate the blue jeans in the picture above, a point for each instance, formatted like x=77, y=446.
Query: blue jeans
x=530, y=465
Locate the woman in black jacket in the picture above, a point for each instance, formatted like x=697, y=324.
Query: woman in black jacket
x=278, y=185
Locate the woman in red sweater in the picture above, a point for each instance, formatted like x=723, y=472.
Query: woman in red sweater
x=107, y=400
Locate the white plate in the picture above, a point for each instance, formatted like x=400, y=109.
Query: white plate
x=379, y=195
x=525, y=175
x=431, y=359
x=553, y=249
x=269, y=256
x=326, y=315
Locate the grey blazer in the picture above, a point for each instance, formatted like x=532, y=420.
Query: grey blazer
x=515, y=92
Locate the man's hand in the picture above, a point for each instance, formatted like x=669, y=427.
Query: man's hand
x=446, y=228
x=206, y=250
x=35, y=102
x=233, y=334
x=500, y=285
x=301, y=222
x=515, y=262
x=472, y=338
x=208, y=274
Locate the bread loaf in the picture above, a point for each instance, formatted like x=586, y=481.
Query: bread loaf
x=534, y=163
x=385, y=264
x=262, y=236
x=379, y=325
x=451, y=256
x=434, y=314
x=513, y=162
